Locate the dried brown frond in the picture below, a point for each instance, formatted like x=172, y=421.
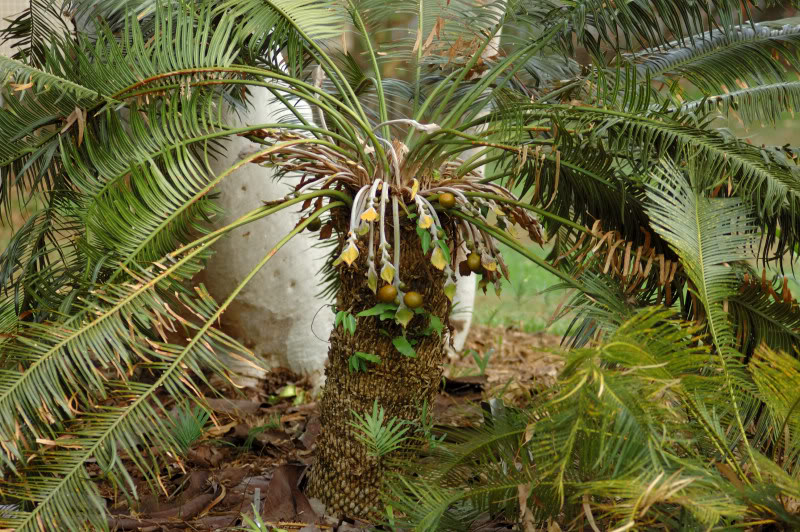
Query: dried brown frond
x=637, y=267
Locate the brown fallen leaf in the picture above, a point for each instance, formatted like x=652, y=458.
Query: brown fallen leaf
x=285, y=501
x=249, y=484
x=215, y=432
x=185, y=511
x=216, y=501
x=129, y=523
x=205, y=455
x=216, y=522
x=309, y=436
x=232, y=476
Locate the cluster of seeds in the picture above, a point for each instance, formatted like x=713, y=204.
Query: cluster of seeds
x=369, y=216
x=463, y=201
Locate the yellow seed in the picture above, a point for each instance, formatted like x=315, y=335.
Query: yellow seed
x=387, y=293
x=447, y=200
x=413, y=299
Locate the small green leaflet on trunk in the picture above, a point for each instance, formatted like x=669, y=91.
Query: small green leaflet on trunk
x=358, y=362
x=424, y=238
x=435, y=325
x=347, y=320
x=445, y=249
x=383, y=310
x=379, y=437
x=402, y=344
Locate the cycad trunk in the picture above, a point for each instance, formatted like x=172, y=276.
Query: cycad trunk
x=345, y=477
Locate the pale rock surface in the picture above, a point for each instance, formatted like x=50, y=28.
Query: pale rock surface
x=463, y=301
x=278, y=314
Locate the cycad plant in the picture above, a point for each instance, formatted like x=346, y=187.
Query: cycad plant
x=477, y=133
x=638, y=434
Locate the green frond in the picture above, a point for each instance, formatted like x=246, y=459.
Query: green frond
x=114, y=12
x=33, y=122
x=414, y=44
x=621, y=433
x=133, y=62
x=602, y=312
x=776, y=374
x=576, y=182
x=785, y=482
x=296, y=26
x=135, y=431
x=639, y=140
x=145, y=195
x=634, y=24
x=48, y=364
x=762, y=104
x=706, y=499
x=30, y=124
x=312, y=20
x=761, y=316
x=725, y=59
x=446, y=496
x=37, y=260
x=708, y=235
x=42, y=81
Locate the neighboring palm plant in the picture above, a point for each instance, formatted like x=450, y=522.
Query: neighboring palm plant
x=113, y=133
x=636, y=435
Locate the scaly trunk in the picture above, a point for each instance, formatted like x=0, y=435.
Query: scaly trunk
x=345, y=477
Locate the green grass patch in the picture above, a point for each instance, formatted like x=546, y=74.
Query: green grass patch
x=523, y=303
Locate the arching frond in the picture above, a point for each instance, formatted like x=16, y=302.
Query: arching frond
x=594, y=443
x=775, y=374
x=636, y=141
x=725, y=58
x=60, y=95
x=64, y=496
x=52, y=364
x=761, y=104
x=39, y=250
x=30, y=123
x=708, y=235
x=635, y=24
x=762, y=315
x=145, y=196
